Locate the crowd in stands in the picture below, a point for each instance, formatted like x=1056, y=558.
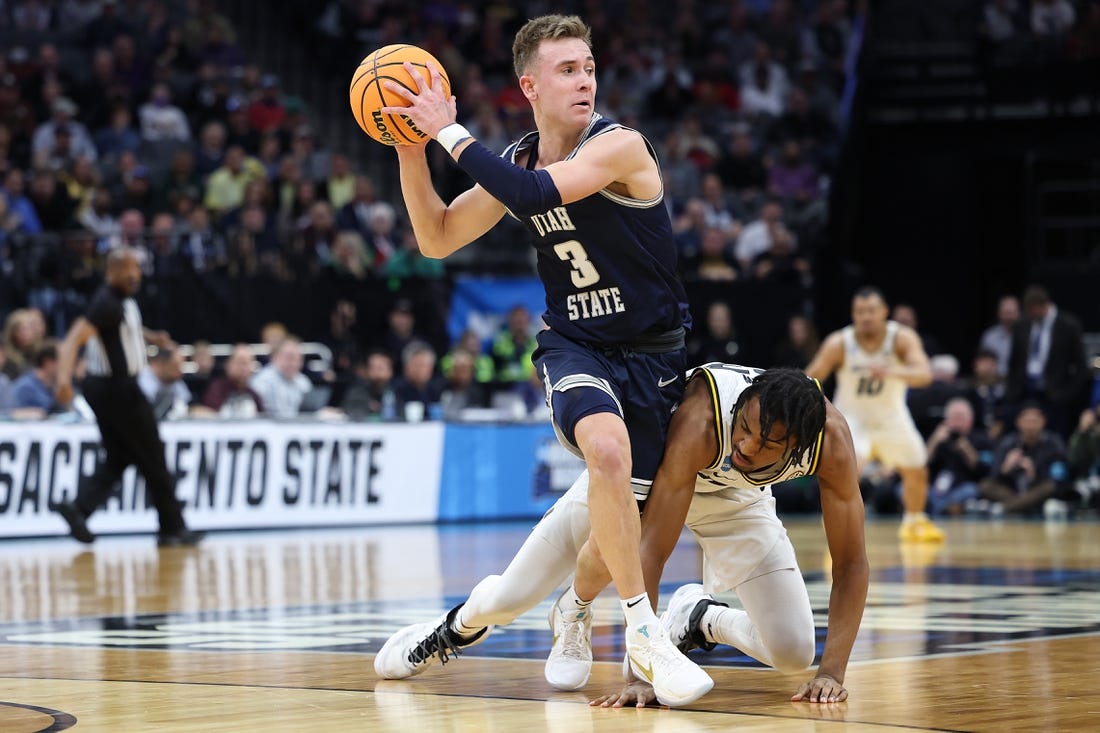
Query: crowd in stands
x=143, y=123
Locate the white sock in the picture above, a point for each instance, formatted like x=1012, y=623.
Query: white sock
x=638, y=611
x=570, y=601
x=910, y=517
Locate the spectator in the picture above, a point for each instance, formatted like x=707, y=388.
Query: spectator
x=383, y=240
x=349, y=258
x=119, y=136
x=792, y=178
x=32, y=393
x=720, y=213
x=341, y=340
x=718, y=342
x=63, y=113
x=52, y=204
x=741, y=168
x=281, y=384
x=1048, y=361
x=355, y=214
x=18, y=203
x=201, y=247
x=780, y=264
x=162, y=120
x=418, y=382
x=181, y=179
x=470, y=343
x=1029, y=466
x=229, y=395
x=1052, y=18
x=998, y=337
x=764, y=84
x=266, y=113
x=1084, y=456
x=801, y=343
x=370, y=395
x=715, y=261
x=210, y=153
x=756, y=238
x=202, y=371
x=959, y=456
x=163, y=385
x=462, y=390
x=513, y=346
x=225, y=187
x=238, y=129
x=5, y=384
x=689, y=228
x=339, y=187
x=999, y=20
x=314, y=162
x=986, y=393
x=272, y=334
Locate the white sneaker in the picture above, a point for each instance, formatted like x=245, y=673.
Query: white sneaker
x=685, y=611
x=570, y=662
x=415, y=648
x=676, y=679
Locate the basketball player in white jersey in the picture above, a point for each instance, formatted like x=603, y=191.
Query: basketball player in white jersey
x=737, y=431
x=876, y=361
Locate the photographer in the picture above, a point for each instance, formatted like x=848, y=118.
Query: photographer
x=1029, y=467
x=1084, y=456
x=959, y=457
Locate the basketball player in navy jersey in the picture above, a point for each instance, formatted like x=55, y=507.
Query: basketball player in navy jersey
x=589, y=191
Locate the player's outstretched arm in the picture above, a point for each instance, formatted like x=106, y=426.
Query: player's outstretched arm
x=842, y=510
x=828, y=358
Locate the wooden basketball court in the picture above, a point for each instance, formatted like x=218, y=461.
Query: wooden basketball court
x=997, y=630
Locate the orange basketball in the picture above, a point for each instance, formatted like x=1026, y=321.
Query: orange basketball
x=368, y=96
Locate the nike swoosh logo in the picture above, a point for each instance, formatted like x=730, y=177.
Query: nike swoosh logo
x=646, y=673
x=665, y=382
x=635, y=603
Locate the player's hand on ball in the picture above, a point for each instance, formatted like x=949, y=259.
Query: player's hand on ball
x=821, y=688
x=430, y=109
x=637, y=693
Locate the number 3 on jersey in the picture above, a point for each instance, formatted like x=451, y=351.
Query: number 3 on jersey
x=584, y=272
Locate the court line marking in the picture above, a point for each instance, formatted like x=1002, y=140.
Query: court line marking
x=482, y=697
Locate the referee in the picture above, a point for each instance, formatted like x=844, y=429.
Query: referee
x=115, y=339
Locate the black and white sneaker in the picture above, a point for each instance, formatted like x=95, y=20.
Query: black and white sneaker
x=416, y=647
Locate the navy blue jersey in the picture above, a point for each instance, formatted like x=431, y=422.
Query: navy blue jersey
x=608, y=262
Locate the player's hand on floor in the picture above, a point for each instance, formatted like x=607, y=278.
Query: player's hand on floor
x=637, y=693
x=821, y=688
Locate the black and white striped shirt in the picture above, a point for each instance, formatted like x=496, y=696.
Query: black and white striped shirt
x=119, y=349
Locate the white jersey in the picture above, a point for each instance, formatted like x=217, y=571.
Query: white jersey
x=864, y=398
x=727, y=382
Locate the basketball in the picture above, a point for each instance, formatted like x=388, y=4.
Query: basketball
x=368, y=96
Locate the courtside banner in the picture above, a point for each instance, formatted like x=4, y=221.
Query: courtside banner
x=232, y=475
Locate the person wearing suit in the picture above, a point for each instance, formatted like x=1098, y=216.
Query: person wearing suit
x=1047, y=362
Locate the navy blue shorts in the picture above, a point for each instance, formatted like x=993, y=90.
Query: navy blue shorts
x=642, y=388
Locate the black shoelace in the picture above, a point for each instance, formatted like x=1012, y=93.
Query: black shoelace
x=440, y=642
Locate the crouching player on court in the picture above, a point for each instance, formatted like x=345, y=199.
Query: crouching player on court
x=717, y=462
x=737, y=431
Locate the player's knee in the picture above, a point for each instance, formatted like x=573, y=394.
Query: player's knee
x=607, y=458
x=793, y=652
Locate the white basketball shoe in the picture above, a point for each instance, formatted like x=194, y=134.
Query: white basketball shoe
x=570, y=662
x=654, y=658
x=684, y=613
x=415, y=648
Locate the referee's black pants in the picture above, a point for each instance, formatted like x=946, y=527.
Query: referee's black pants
x=130, y=438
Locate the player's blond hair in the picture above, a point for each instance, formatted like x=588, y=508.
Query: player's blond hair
x=546, y=28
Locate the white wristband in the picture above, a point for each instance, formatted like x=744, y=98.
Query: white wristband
x=452, y=135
